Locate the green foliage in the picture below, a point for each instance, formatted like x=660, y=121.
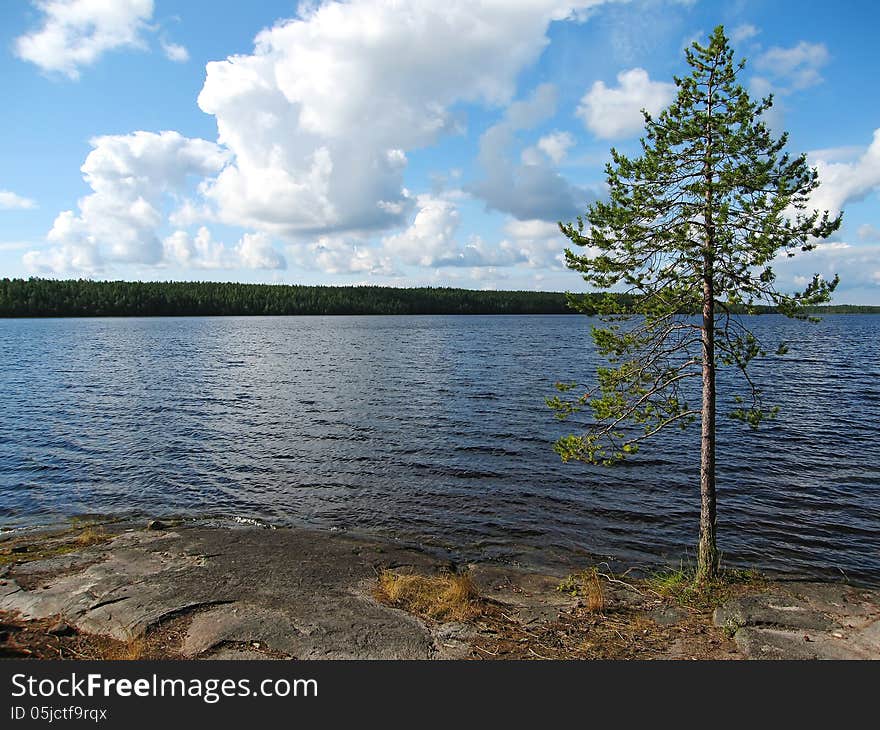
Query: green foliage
x=688, y=236
x=681, y=586
x=84, y=298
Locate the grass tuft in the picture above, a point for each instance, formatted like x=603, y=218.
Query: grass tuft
x=90, y=536
x=587, y=585
x=680, y=585
x=132, y=650
x=28, y=547
x=445, y=597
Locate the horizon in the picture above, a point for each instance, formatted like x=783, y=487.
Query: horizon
x=377, y=285
x=161, y=141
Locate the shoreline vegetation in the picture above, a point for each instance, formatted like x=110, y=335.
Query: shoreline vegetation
x=37, y=297
x=104, y=589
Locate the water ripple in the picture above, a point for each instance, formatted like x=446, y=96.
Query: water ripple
x=433, y=430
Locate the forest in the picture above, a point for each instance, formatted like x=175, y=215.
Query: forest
x=36, y=297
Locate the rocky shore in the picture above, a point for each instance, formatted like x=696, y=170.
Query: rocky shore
x=193, y=592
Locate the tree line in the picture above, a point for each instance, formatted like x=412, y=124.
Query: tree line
x=37, y=297
x=85, y=298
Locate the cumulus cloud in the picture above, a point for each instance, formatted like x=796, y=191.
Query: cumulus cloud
x=615, y=112
x=744, y=32
x=175, y=52
x=556, y=146
x=313, y=132
x=431, y=240
x=844, y=182
x=795, y=68
x=76, y=33
x=131, y=177
x=321, y=115
x=868, y=232
x=530, y=187
x=253, y=251
x=65, y=259
x=857, y=265
x=431, y=237
x=538, y=243
x=12, y=201
x=341, y=255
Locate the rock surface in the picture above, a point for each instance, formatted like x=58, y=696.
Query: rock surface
x=300, y=593
x=805, y=621
x=249, y=592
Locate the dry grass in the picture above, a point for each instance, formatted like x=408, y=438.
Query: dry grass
x=90, y=536
x=588, y=585
x=131, y=650
x=595, y=594
x=445, y=597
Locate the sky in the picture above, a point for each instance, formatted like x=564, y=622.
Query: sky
x=391, y=142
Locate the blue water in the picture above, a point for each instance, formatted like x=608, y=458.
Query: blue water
x=432, y=430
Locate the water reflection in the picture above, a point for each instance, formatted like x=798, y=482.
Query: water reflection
x=431, y=429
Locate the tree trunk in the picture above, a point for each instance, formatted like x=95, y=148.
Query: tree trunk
x=707, y=557
x=707, y=552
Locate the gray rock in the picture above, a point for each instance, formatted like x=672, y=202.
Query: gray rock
x=234, y=653
x=454, y=631
x=805, y=621
x=303, y=593
x=668, y=615
x=770, y=610
x=61, y=628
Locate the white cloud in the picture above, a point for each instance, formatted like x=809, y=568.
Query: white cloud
x=843, y=182
x=431, y=236
x=12, y=201
x=190, y=212
x=529, y=188
x=744, y=32
x=341, y=255
x=314, y=128
x=431, y=240
x=844, y=153
x=75, y=259
x=200, y=251
x=533, y=229
x=131, y=177
x=857, y=265
x=556, y=145
x=868, y=232
x=321, y=115
x=76, y=33
x=793, y=68
x=536, y=242
x=253, y=251
x=14, y=245
x=175, y=52
x=612, y=113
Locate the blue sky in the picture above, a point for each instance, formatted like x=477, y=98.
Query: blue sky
x=401, y=143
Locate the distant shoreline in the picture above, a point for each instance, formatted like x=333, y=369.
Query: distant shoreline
x=43, y=298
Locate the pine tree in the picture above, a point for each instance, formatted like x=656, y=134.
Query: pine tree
x=690, y=229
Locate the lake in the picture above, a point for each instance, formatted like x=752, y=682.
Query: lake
x=432, y=430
